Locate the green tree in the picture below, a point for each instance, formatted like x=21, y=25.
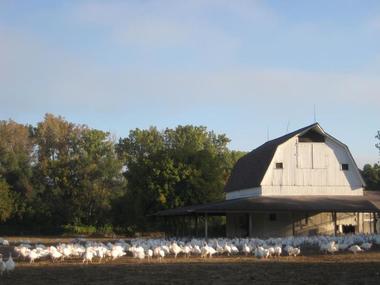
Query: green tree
x=98, y=176
x=77, y=173
x=144, y=158
x=55, y=140
x=176, y=167
x=371, y=176
x=16, y=149
x=371, y=173
x=6, y=201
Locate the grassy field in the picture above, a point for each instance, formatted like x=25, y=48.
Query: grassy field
x=342, y=268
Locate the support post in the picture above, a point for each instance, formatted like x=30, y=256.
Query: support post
x=176, y=226
x=206, y=226
x=363, y=229
x=196, y=225
x=374, y=223
x=249, y=224
x=293, y=225
x=335, y=225
x=358, y=221
x=184, y=226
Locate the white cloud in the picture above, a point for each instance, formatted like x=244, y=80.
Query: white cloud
x=163, y=24
x=36, y=76
x=33, y=74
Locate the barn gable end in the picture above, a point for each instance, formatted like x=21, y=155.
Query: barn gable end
x=305, y=162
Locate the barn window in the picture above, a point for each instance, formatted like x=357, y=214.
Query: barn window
x=344, y=166
x=272, y=217
x=279, y=165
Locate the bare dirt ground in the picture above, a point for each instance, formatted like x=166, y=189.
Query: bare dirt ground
x=311, y=268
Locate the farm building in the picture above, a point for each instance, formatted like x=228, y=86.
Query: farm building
x=303, y=183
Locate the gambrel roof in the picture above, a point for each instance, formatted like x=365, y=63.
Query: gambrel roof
x=250, y=169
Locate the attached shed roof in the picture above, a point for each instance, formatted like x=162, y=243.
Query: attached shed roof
x=369, y=202
x=250, y=169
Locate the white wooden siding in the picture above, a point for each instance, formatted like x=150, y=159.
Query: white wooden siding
x=304, y=155
x=311, y=169
x=319, y=156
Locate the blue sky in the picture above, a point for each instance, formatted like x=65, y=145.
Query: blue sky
x=237, y=67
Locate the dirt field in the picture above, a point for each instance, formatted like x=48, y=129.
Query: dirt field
x=342, y=268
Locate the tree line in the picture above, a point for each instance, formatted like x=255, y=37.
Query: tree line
x=58, y=174
x=371, y=173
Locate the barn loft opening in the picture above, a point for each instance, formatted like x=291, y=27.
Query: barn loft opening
x=312, y=136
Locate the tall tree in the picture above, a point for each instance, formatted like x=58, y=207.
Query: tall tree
x=55, y=141
x=16, y=149
x=98, y=176
x=371, y=176
x=143, y=153
x=175, y=167
x=77, y=173
x=371, y=173
x=6, y=201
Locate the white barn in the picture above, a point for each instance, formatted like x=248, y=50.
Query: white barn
x=303, y=183
x=305, y=162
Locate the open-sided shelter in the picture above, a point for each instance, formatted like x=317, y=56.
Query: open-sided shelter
x=303, y=183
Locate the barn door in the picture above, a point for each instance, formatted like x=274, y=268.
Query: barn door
x=319, y=156
x=304, y=155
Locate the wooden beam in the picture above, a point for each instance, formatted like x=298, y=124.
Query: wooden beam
x=184, y=225
x=293, y=226
x=249, y=224
x=196, y=225
x=206, y=225
x=374, y=223
x=335, y=225
x=358, y=221
x=362, y=222
x=176, y=226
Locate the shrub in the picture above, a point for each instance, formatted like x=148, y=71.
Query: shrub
x=105, y=230
x=79, y=230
